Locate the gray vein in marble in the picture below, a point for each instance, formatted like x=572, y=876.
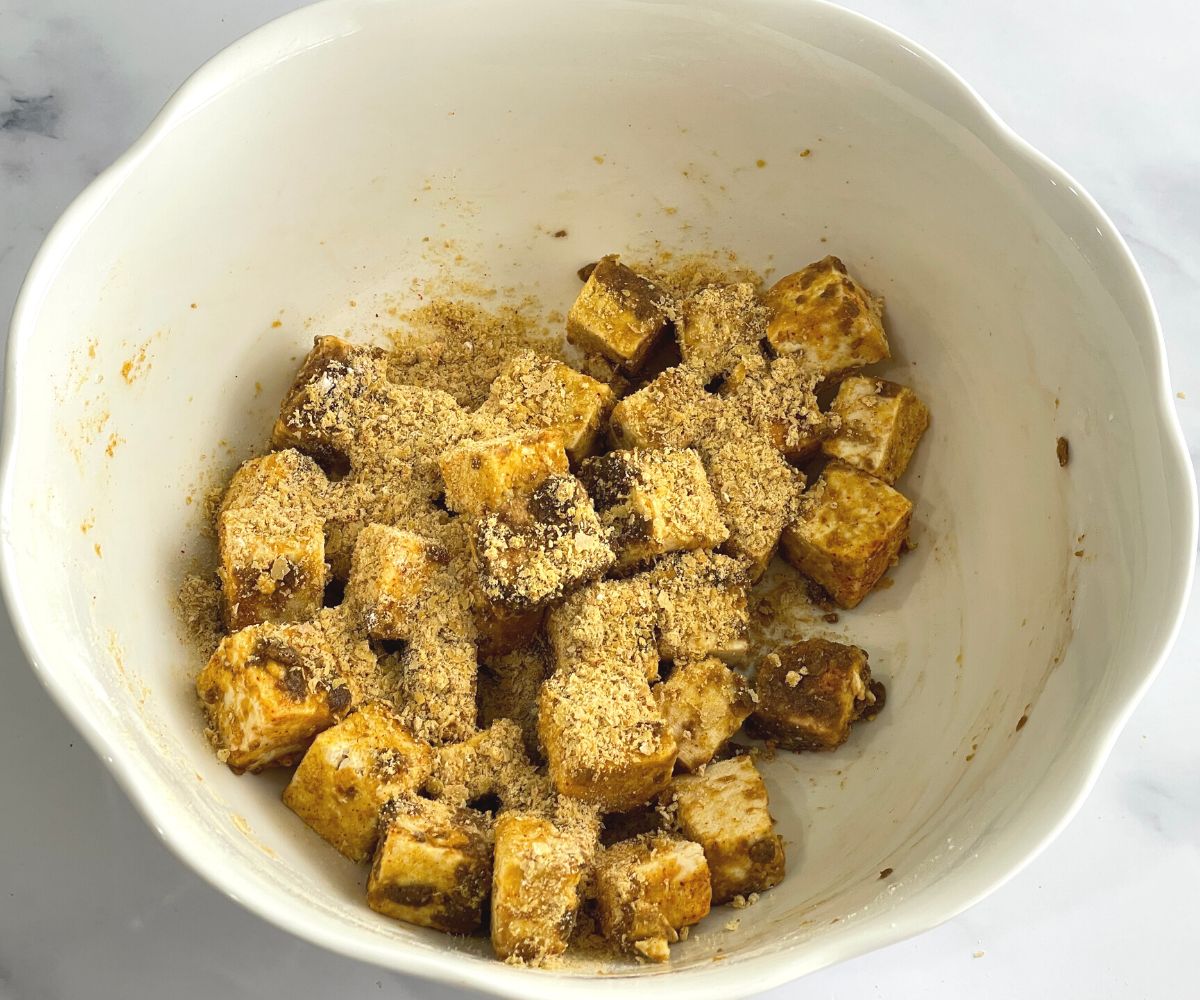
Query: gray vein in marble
x=37, y=115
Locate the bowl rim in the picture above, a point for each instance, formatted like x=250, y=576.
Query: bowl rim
x=188, y=841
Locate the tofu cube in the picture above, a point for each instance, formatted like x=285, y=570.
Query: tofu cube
x=849, y=531
x=509, y=686
x=880, y=425
x=433, y=865
x=535, y=888
x=810, y=693
x=483, y=476
x=618, y=314
x=267, y=690
x=538, y=393
x=612, y=622
x=390, y=572
x=827, y=318
x=271, y=541
x=725, y=811
x=348, y=773
x=439, y=672
x=604, y=738
x=700, y=603
x=718, y=323
x=704, y=703
x=542, y=548
x=653, y=502
x=647, y=890
x=673, y=411
x=324, y=406
x=778, y=399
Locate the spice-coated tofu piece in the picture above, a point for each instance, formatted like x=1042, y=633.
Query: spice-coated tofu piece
x=673, y=411
x=810, y=693
x=849, y=531
x=718, y=323
x=880, y=425
x=271, y=541
x=778, y=399
x=267, y=690
x=611, y=622
x=509, y=686
x=433, y=865
x=439, y=671
x=704, y=703
x=390, y=571
x=653, y=502
x=321, y=410
x=618, y=314
x=700, y=604
x=350, y=770
x=535, y=888
x=725, y=811
x=539, y=549
x=537, y=393
x=826, y=317
x=487, y=475
x=647, y=890
x=605, y=739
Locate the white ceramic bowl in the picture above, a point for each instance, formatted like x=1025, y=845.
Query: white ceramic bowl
x=302, y=168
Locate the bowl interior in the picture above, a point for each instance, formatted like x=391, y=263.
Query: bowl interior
x=344, y=161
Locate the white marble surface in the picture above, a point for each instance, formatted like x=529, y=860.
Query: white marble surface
x=91, y=905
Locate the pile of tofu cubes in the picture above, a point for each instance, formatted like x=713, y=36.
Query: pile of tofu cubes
x=506, y=649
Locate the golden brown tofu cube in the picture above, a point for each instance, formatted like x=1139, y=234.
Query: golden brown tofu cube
x=535, y=888
x=609, y=622
x=618, y=314
x=880, y=425
x=322, y=410
x=719, y=323
x=778, y=399
x=538, y=393
x=810, y=693
x=604, y=737
x=269, y=689
x=849, y=531
x=348, y=773
x=704, y=703
x=487, y=475
x=826, y=317
x=390, y=572
x=647, y=890
x=540, y=549
x=673, y=411
x=509, y=686
x=725, y=811
x=433, y=865
x=653, y=502
x=700, y=601
x=271, y=541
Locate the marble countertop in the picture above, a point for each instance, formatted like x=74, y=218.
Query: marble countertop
x=92, y=905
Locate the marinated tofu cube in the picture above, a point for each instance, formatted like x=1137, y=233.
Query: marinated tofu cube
x=509, y=686
x=880, y=425
x=439, y=672
x=390, y=572
x=539, y=550
x=647, y=890
x=604, y=738
x=718, y=324
x=611, y=622
x=483, y=476
x=849, y=531
x=810, y=693
x=538, y=393
x=267, y=690
x=700, y=603
x=322, y=410
x=653, y=502
x=827, y=318
x=704, y=703
x=725, y=811
x=271, y=541
x=535, y=888
x=433, y=865
x=778, y=399
x=348, y=773
x=673, y=411
x=618, y=314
